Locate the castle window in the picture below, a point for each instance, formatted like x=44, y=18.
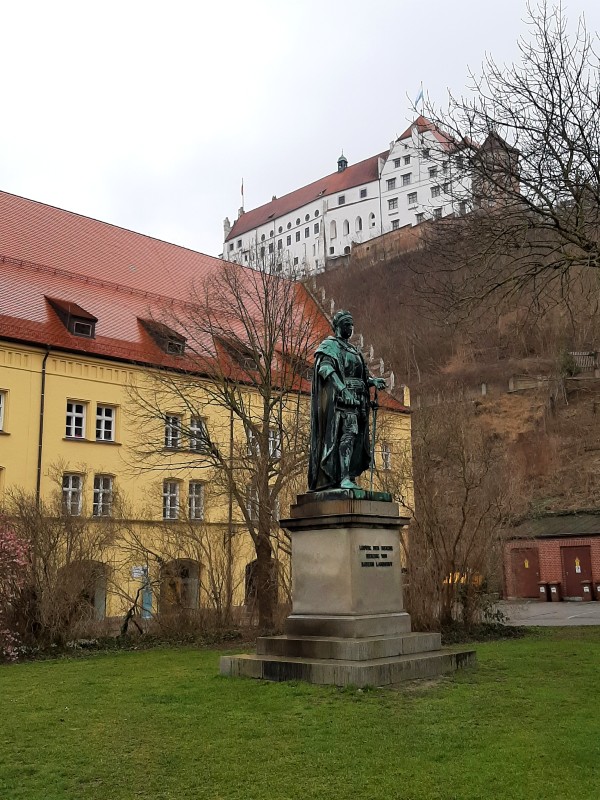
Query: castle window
x=363, y=194
x=172, y=431
x=2, y=409
x=198, y=435
x=239, y=244
x=395, y=224
x=397, y=162
x=437, y=213
x=297, y=236
x=316, y=227
x=346, y=227
x=391, y=184
x=341, y=199
x=406, y=179
x=288, y=241
x=393, y=203
x=358, y=224
x=435, y=191
x=307, y=217
x=412, y=198
x=306, y=233
x=407, y=159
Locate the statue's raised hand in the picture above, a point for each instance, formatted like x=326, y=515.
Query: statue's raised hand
x=379, y=383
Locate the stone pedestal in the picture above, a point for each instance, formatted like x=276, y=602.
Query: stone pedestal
x=348, y=624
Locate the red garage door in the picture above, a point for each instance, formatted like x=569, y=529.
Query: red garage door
x=577, y=567
x=526, y=571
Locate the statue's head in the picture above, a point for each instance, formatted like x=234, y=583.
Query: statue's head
x=343, y=324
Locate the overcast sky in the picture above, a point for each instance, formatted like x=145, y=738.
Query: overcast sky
x=148, y=114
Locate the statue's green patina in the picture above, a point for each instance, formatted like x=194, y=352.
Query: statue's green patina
x=340, y=402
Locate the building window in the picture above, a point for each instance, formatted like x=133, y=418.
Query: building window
x=274, y=443
x=316, y=227
x=297, y=236
x=386, y=456
x=412, y=199
x=462, y=209
x=298, y=221
x=172, y=431
x=271, y=233
x=306, y=218
x=437, y=213
x=295, y=261
x=393, y=203
x=262, y=252
x=103, y=496
x=407, y=179
x=71, y=486
x=306, y=233
x=444, y=167
x=271, y=248
x=333, y=229
x=397, y=162
x=75, y=428
x=170, y=499
x=105, y=424
x=435, y=191
x=433, y=172
x=288, y=241
x=230, y=246
x=407, y=159
x=252, y=502
x=280, y=244
x=280, y=229
x=262, y=238
x=239, y=244
x=391, y=184
x=420, y=217
x=425, y=152
x=198, y=434
x=346, y=227
x=196, y=500
x=341, y=199
x=460, y=162
x=358, y=224
x=2, y=409
x=332, y=251
x=317, y=213
x=363, y=194
x=372, y=220
x=395, y=224
x=289, y=225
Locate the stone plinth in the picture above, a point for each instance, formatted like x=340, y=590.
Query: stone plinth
x=348, y=624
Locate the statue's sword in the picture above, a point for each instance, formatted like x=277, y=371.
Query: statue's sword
x=374, y=406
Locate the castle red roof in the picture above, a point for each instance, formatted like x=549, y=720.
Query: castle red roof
x=355, y=175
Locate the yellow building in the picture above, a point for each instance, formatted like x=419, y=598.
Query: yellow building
x=110, y=421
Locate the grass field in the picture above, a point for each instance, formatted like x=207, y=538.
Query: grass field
x=164, y=724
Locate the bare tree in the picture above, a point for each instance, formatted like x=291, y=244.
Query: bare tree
x=236, y=403
x=461, y=496
x=527, y=148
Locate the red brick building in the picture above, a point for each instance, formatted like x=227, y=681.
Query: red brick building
x=557, y=556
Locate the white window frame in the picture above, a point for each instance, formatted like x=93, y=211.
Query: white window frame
x=391, y=184
x=412, y=198
x=435, y=191
x=437, y=213
x=406, y=160
x=170, y=497
x=395, y=224
x=433, y=171
x=105, y=423
x=252, y=502
x=2, y=409
x=75, y=419
x=173, y=431
x=397, y=162
x=197, y=434
x=72, y=485
x=407, y=179
x=392, y=203
x=386, y=456
x=103, y=496
x=196, y=500
x=274, y=443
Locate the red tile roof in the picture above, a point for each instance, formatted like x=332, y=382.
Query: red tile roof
x=355, y=175
x=47, y=253
x=422, y=125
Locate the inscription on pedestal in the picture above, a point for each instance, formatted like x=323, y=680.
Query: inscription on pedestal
x=376, y=555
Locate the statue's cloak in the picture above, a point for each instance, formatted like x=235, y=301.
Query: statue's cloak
x=325, y=420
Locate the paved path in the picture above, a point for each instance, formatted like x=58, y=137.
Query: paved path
x=551, y=614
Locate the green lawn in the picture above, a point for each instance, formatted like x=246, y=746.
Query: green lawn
x=164, y=724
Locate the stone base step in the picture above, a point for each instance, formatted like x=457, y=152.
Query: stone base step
x=374, y=672
x=339, y=648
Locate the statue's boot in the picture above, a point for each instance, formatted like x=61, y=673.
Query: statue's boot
x=348, y=483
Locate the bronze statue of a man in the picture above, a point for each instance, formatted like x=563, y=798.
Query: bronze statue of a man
x=339, y=440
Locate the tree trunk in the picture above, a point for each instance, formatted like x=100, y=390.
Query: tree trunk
x=265, y=591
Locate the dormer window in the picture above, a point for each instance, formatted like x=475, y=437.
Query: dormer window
x=166, y=338
x=76, y=319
